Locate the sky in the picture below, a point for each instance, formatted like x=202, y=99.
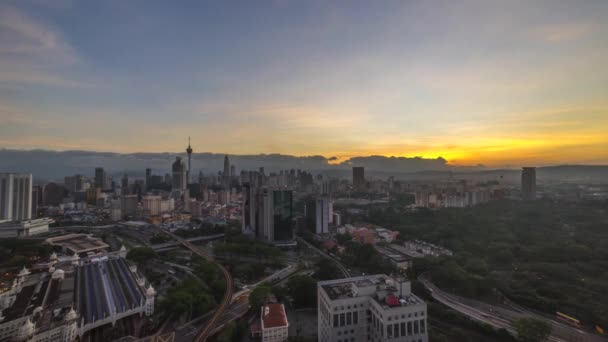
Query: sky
x=498, y=83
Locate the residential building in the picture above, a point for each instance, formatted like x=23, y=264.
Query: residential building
x=373, y=308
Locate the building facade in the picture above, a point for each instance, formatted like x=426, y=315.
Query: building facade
x=15, y=196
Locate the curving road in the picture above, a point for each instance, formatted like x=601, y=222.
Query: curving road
x=205, y=331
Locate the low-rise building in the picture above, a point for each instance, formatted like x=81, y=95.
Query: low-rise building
x=273, y=323
x=24, y=228
x=70, y=298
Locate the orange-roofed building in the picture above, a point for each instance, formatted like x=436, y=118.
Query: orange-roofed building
x=274, y=324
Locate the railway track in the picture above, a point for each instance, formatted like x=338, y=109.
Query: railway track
x=205, y=331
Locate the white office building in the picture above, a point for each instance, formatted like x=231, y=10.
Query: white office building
x=373, y=308
x=15, y=196
x=322, y=215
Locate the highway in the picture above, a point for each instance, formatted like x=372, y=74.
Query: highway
x=503, y=316
x=206, y=330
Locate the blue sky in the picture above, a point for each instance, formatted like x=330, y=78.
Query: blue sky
x=493, y=82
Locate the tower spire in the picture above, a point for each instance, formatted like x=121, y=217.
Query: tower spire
x=189, y=151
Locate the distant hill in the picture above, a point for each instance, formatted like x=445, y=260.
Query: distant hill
x=53, y=165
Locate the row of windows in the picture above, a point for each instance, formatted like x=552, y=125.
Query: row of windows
x=348, y=307
x=409, y=315
x=399, y=329
x=348, y=318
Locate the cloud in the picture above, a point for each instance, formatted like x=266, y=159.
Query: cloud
x=562, y=33
x=32, y=52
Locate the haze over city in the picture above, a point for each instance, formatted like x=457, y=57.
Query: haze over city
x=475, y=82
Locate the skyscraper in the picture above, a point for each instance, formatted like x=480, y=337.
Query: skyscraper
x=15, y=196
x=74, y=183
x=322, y=215
x=280, y=225
x=100, y=178
x=528, y=183
x=268, y=213
x=124, y=184
x=226, y=173
x=179, y=181
x=358, y=178
x=148, y=178
x=189, y=151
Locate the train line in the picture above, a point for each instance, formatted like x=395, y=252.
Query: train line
x=205, y=331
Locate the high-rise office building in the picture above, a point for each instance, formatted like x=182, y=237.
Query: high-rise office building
x=226, y=173
x=189, y=151
x=370, y=308
x=250, y=212
x=179, y=181
x=358, y=177
x=278, y=205
x=268, y=213
x=101, y=178
x=528, y=183
x=15, y=196
x=322, y=215
x=124, y=184
x=74, y=183
x=148, y=178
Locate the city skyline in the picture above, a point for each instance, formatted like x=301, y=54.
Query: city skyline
x=475, y=83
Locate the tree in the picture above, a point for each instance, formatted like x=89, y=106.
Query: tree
x=327, y=270
x=140, y=255
x=343, y=238
x=259, y=296
x=531, y=329
x=303, y=291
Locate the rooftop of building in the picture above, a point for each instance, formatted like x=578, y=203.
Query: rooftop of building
x=91, y=292
x=385, y=290
x=273, y=316
x=78, y=243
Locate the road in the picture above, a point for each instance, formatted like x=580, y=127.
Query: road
x=502, y=317
x=343, y=269
x=206, y=330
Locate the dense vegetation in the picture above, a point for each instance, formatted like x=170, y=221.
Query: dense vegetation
x=20, y=252
x=531, y=330
x=547, y=255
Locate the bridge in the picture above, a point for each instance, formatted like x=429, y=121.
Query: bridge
x=161, y=247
